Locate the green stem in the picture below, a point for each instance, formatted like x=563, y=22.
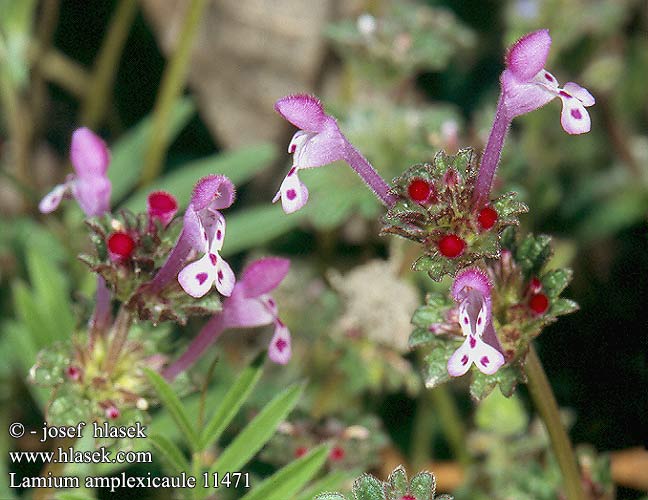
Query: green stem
x=172, y=84
x=438, y=403
x=422, y=431
x=97, y=98
x=545, y=403
x=47, y=22
x=451, y=422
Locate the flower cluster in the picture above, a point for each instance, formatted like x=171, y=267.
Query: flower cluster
x=497, y=303
x=156, y=267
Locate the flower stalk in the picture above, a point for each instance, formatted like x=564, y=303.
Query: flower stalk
x=119, y=337
x=171, y=87
x=103, y=75
x=545, y=403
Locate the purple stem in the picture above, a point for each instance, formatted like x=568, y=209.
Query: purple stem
x=206, y=337
x=102, y=315
x=491, y=156
x=173, y=264
x=372, y=178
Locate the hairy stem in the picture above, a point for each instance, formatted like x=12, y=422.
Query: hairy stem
x=120, y=331
x=206, y=337
x=545, y=403
x=172, y=84
x=102, y=314
x=97, y=98
x=172, y=266
x=372, y=178
x=491, y=156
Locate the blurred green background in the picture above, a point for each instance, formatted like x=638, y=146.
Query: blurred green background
x=404, y=81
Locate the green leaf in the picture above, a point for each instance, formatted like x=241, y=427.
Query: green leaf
x=432, y=312
x=421, y=336
x=554, y=282
x=29, y=314
x=258, y=432
x=367, y=487
x=423, y=485
x=332, y=481
x=398, y=483
x=173, y=455
x=231, y=403
x=506, y=377
x=560, y=307
x=239, y=166
x=51, y=294
x=128, y=153
x=532, y=253
x=289, y=480
x=255, y=226
x=435, y=371
x=174, y=406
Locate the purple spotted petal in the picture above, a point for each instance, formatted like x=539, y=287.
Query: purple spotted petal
x=574, y=118
x=198, y=277
x=487, y=359
x=217, y=232
x=580, y=93
x=528, y=55
x=460, y=361
x=213, y=191
x=263, y=275
x=53, y=199
x=303, y=111
x=224, y=278
x=293, y=193
x=89, y=154
x=279, y=349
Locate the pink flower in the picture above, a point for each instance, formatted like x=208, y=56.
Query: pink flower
x=251, y=305
x=204, y=232
x=317, y=143
x=472, y=291
x=90, y=185
x=527, y=86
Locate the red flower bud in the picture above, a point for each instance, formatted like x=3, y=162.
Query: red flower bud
x=73, y=373
x=112, y=412
x=161, y=206
x=451, y=246
x=301, y=451
x=539, y=303
x=487, y=218
x=535, y=286
x=419, y=190
x=120, y=246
